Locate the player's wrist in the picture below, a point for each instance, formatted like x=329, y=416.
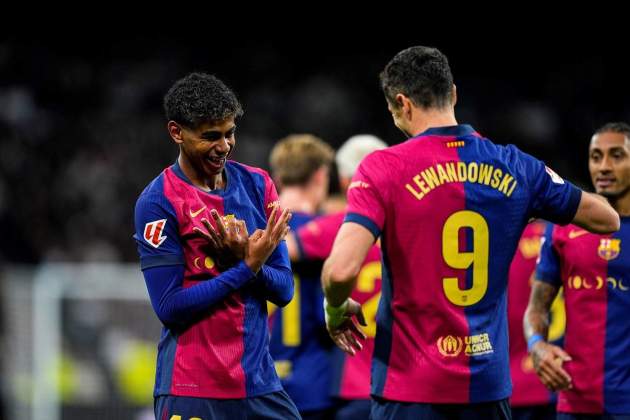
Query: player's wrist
x=533, y=340
x=335, y=315
x=254, y=264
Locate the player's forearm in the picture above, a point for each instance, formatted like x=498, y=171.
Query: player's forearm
x=277, y=283
x=536, y=319
x=338, y=281
x=176, y=305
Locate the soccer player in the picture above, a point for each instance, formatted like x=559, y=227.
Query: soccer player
x=208, y=281
x=313, y=242
x=300, y=346
x=530, y=399
x=449, y=207
x=592, y=371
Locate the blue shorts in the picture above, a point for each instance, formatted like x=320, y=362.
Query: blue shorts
x=492, y=410
x=570, y=416
x=534, y=412
x=353, y=409
x=276, y=405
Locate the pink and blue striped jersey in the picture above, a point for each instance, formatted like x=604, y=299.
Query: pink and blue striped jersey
x=351, y=374
x=223, y=352
x=595, y=273
x=449, y=207
x=528, y=390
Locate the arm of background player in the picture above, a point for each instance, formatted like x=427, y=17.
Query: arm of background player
x=547, y=357
x=292, y=247
x=178, y=306
x=596, y=215
x=276, y=277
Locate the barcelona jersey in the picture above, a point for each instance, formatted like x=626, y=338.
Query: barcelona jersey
x=594, y=271
x=224, y=352
x=449, y=207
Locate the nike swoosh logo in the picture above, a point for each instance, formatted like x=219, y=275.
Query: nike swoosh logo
x=576, y=233
x=194, y=214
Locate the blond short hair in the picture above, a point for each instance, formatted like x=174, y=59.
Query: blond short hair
x=295, y=158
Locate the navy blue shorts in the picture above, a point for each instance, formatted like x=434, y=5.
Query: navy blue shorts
x=353, y=410
x=534, y=412
x=570, y=416
x=276, y=405
x=492, y=410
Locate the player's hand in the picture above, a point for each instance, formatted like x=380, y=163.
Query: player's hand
x=228, y=241
x=548, y=360
x=263, y=242
x=343, y=328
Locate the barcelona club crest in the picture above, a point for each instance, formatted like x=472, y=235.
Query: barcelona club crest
x=609, y=248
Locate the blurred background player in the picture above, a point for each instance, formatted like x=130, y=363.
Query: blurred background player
x=300, y=165
x=209, y=284
x=313, y=242
x=592, y=372
x=530, y=400
x=450, y=207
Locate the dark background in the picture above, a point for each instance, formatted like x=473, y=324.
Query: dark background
x=82, y=129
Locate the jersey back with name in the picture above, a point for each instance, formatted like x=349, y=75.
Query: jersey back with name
x=225, y=353
x=449, y=207
x=594, y=271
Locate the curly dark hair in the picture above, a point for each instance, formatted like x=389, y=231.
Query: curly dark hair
x=615, y=127
x=199, y=98
x=420, y=73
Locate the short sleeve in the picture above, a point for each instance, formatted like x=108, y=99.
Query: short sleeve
x=365, y=196
x=548, y=264
x=553, y=198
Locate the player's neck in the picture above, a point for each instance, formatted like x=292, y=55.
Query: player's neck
x=621, y=204
x=430, y=118
x=201, y=180
x=298, y=199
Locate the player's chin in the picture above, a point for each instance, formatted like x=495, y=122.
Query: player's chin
x=212, y=167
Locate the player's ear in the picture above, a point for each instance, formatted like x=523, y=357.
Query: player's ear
x=454, y=94
x=406, y=106
x=175, y=131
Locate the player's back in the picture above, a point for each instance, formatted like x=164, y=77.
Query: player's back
x=299, y=343
x=450, y=207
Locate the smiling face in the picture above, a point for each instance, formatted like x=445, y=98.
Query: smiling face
x=609, y=164
x=204, y=150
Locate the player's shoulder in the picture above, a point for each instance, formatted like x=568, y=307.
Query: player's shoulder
x=330, y=220
x=154, y=189
x=379, y=161
x=247, y=170
x=507, y=152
